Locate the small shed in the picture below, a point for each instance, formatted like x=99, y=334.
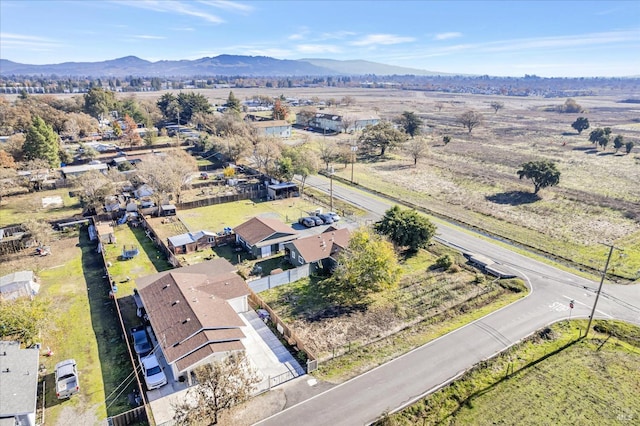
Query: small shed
x=168, y=210
x=106, y=234
x=283, y=190
x=17, y=285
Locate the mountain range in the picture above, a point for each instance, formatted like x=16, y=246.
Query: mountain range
x=222, y=65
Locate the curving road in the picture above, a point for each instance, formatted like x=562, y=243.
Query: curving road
x=400, y=382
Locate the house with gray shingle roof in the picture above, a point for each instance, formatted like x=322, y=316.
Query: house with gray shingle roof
x=191, y=241
x=263, y=237
x=193, y=313
x=18, y=384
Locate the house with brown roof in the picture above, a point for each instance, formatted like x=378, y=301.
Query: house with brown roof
x=319, y=251
x=194, y=313
x=263, y=237
x=280, y=128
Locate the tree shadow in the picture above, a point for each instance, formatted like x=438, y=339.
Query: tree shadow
x=513, y=198
x=583, y=148
x=603, y=154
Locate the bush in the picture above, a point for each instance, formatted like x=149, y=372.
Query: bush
x=515, y=285
x=445, y=262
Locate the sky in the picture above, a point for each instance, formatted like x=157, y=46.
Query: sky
x=498, y=38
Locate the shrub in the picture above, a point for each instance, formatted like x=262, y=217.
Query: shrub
x=445, y=262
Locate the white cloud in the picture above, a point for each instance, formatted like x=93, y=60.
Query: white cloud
x=10, y=40
x=338, y=35
x=149, y=37
x=381, y=39
x=174, y=7
x=183, y=29
x=318, y=48
x=228, y=5
x=447, y=36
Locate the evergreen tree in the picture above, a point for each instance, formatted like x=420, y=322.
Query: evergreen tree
x=41, y=142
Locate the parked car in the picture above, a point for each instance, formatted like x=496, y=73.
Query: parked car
x=309, y=222
x=326, y=218
x=67, y=383
x=317, y=220
x=154, y=377
x=334, y=216
x=141, y=343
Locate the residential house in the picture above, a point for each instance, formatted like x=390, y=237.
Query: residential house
x=319, y=251
x=191, y=241
x=335, y=123
x=71, y=171
x=279, y=128
x=263, y=237
x=19, y=384
x=18, y=284
x=194, y=313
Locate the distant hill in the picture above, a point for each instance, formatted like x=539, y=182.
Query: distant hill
x=224, y=65
x=359, y=67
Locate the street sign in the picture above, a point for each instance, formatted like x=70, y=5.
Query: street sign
x=571, y=304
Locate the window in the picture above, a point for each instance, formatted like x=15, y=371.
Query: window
x=301, y=260
x=293, y=255
x=212, y=239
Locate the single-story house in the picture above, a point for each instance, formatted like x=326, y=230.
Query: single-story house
x=320, y=251
x=191, y=241
x=19, y=389
x=335, y=123
x=283, y=190
x=167, y=210
x=106, y=233
x=142, y=191
x=263, y=237
x=194, y=313
x=18, y=284
x=280, y=128
x=69, y=171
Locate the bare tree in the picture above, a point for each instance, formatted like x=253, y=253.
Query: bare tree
x=470, y=120
x=417, y=148
x=168, y=174
x=221, y=386
x=305, y=115
x=265, y=153
x=348, y=100
x=347, y=122
x=438, y=106
x=496, y=106
x=40, y=231
x=94, y=187
x=328, y=152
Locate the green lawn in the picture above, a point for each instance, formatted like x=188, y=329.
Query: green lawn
x=552, y=378
x=216, y=217
x=149, y=260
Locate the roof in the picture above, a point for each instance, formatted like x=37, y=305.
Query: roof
x=283, y=185
x=258, y=229
x=270, y=123
x=18, y=284
x=166, y=207
x=19, y=378
x=104, y=229
x=321, y=246
x=189, y=311
x=83, y=168
x=189, y=238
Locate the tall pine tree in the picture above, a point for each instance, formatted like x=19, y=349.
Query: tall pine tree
x=41, y=142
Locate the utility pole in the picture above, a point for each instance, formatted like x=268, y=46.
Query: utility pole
x=331, y=189
x=354, y=148
x=604, y=274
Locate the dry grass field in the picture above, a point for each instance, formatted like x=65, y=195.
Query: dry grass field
x=473, y=179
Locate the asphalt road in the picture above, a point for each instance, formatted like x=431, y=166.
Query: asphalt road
x=406, y=379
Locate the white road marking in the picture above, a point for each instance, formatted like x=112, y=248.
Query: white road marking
x=584, y=304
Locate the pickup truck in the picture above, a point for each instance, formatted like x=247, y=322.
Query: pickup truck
x=141, y=343
x=66, y=379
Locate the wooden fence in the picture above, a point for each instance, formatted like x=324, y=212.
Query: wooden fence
x=292, y=339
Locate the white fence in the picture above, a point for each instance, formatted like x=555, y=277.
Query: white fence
x=286, y=277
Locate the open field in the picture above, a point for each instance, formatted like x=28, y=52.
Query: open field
x=13, y=209
x=551, y=378
x=397, y=321
x=83, y=325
